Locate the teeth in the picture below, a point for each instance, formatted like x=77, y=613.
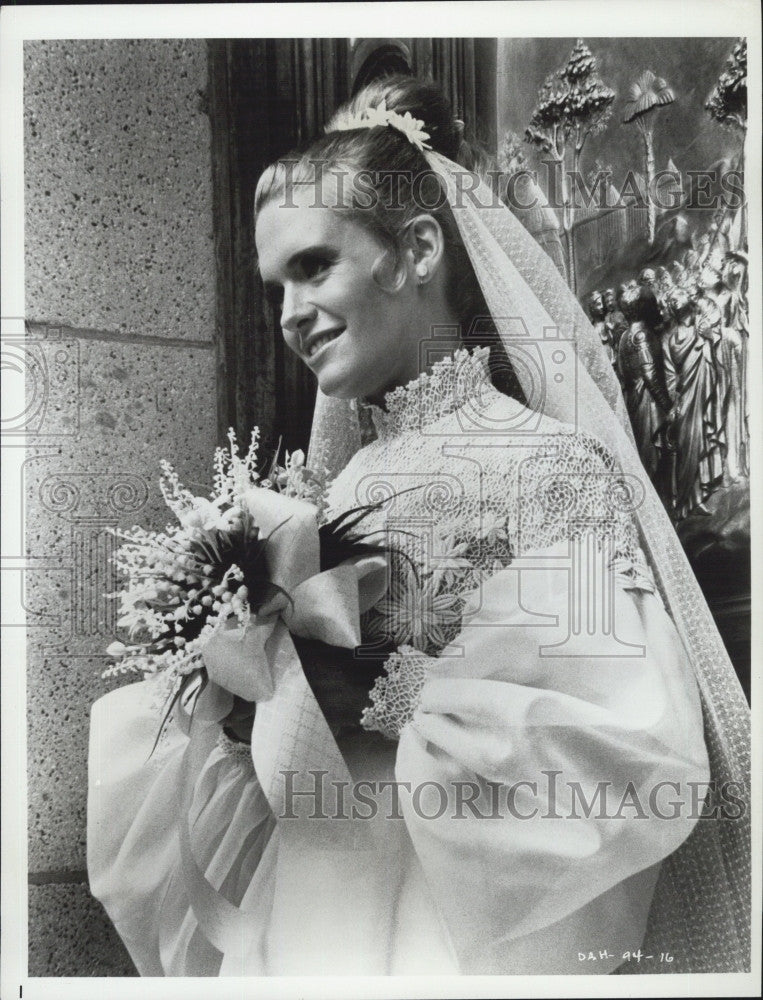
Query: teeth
x=321, y=341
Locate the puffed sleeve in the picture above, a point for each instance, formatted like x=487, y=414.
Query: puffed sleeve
x=552, y=769
x=133, y=854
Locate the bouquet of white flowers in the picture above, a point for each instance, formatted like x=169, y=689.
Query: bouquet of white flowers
x=254, y=563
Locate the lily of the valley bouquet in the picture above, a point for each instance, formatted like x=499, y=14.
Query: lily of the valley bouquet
x=218, y=598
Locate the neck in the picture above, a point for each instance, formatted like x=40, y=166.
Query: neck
x=446, y=343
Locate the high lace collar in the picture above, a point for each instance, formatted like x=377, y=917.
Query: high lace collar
x=453, y=382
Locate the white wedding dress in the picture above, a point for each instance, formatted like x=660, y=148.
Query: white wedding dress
x=509, y=674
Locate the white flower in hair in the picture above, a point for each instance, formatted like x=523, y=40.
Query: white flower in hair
x=412, y=128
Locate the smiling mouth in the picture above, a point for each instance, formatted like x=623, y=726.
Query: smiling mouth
x=317, y=343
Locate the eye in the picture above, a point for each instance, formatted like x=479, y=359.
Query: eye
x=315, y=265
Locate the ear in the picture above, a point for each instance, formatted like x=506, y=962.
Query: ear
x=424, y=248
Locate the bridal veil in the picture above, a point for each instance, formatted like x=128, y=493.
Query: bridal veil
x=702, y=905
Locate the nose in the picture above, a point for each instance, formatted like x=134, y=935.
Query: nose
x=296, y=313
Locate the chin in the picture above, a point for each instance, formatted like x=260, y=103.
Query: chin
x=343, y=385
x=337, y=393
x=336, y=386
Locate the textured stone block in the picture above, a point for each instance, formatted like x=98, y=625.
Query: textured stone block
x=118, y=186
x=137, y=404
x=70, y=935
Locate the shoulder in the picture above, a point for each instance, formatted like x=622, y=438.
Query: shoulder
x=498, y=452
x=530, y=430
x=521, y=456
x=494, y=417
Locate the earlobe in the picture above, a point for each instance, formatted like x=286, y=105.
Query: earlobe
x=426, y=245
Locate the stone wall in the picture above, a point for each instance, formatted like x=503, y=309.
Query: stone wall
x=120, y=371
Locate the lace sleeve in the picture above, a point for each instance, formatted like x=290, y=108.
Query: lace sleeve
x=565, y=490
x=571, y=489
x=394, y=697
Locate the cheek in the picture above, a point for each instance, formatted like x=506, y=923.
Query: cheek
x=383, y=322
x=364, y=301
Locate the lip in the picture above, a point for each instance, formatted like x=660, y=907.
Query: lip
x=335, y=332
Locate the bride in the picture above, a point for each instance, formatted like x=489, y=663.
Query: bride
x=519, y=788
